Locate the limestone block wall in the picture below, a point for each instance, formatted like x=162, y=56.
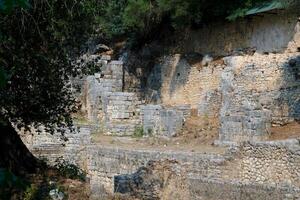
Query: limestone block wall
x=258, y=92
x=105, y=163
x=108, y=80
x=179, y=82
x=160, y=121
x=263, y=167
x=265, y=32
x=122, y=114
x=53, y=147
x=210, y=104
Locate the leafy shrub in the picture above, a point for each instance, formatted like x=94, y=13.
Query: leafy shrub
x=138, y=132
x=69, y=170
x=10, y=184
x=111, y=18
x=31, y=192
x=141, y=17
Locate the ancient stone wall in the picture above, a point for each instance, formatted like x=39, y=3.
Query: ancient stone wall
x=160, y=121
x=105, y=163
x=179, y=82
x=258, y=92
x=109, y=80
x=260, y=50
x=245, y=93
x=267, y=32
x=55, y=148
x=268, y=169
x=121, y=113
x=272, y=163
x=264, y=166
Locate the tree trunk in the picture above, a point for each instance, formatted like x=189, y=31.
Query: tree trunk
x=14, y=155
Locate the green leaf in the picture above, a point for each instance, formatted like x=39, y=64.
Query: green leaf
x=6, y=6
x=3, y=77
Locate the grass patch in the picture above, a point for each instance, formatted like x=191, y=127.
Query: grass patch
x=138, y=132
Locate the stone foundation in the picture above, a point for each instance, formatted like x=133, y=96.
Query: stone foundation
x=258, y=167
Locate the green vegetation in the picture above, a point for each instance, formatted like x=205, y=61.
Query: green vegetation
x=69, y=170
x=138, y=132
x=31, y=192
x=10, y=184
x=139, y=18
x=40, y=39
x=36, y=50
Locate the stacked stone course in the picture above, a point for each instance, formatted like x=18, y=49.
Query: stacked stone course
x=265, y=167
x=247, y=92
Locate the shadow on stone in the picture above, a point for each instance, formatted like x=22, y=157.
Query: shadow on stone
x=156, y=180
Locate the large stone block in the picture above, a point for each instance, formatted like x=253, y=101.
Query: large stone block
x=161, y=121
x=257, y=92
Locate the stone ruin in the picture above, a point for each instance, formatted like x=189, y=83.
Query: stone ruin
x=118, y=112
x=247, y=95
x=244, y=94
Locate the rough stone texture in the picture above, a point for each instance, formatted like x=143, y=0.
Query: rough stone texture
x=274, y=163
x=114, y=111
x=222, y=190
x=106, y=163
x=122, y=114
x=53, y=147
x=180, y=83
x=268, y=168
x=109, y=80
x=266, y=33
x=158, y=120
x=259, y=169
x=118, y=113
x=210, y=105
x=259, y=91
x=157, y=180
x=249, y=92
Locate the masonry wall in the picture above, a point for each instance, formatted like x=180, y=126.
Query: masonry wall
x=258, y=92
x=109, y=80
x=249, y=90
x=160, y=121
x=266, y=32
x=263, y=167
x=179, y=82
x=122, y=113
x=55, y=148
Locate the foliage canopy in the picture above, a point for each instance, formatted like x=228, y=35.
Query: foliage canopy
x=38, y=41
x=143, y=16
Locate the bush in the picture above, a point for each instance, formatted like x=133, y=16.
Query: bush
x=69, y=170
x=111, y=18
x=10, y=184
x=142, y=17
x=31, y=192
x=138, y=132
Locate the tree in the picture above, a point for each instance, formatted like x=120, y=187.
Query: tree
x=140, y=18
x=38, y=41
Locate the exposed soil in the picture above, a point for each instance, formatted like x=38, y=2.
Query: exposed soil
x=289, y=131
x=195, y=137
